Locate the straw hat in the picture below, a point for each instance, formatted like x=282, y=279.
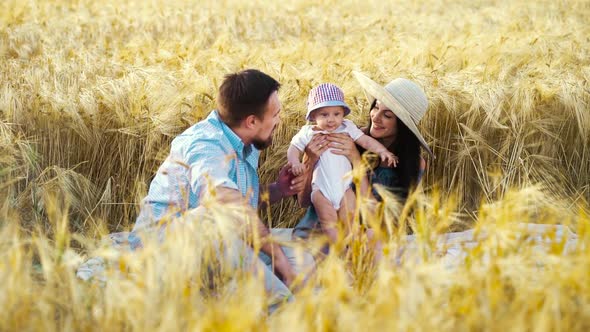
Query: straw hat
x=403, y=97
x=325, y=94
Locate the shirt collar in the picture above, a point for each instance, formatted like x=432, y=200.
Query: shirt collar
x=243, y=151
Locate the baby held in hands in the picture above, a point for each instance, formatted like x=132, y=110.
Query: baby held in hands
x=331, y=194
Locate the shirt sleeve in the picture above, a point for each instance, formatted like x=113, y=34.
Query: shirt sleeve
x=302, y=138
x=210, y=167
x=353, y=130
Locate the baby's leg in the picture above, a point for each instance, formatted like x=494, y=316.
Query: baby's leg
x=326, y=214
x=346, y=211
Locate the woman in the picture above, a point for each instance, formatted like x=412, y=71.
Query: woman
x=395, y=112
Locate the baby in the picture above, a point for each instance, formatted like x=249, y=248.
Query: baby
x=331, y=194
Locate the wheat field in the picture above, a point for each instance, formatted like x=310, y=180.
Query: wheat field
x=92, y=93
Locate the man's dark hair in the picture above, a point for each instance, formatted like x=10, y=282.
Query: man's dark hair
x=243, y=94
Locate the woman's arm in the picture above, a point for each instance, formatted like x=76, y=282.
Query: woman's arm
x=371, y=144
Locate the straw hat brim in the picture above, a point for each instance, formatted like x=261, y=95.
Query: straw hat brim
x=373, y=90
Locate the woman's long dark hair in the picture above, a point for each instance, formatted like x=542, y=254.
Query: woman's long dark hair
x=407, y=148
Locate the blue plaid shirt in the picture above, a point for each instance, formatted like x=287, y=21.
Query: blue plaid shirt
x=207, y=155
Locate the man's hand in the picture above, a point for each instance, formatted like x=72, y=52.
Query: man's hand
x=288, y=183
x=298, y=169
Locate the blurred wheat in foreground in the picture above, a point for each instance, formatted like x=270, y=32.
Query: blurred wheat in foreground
x=91, y=94
x=508, y=279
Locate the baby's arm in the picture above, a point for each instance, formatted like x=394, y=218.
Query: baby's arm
x=294, y=158
x=371, y=144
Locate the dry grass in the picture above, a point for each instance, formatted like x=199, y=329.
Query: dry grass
x=91, y=94
x=505, y=281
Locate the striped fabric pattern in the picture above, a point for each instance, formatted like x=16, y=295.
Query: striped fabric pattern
x=208, y=154
x=323, y=95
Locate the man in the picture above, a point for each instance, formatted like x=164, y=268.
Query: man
x=220, y=154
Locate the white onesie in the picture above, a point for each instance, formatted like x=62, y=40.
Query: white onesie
x=329, y=174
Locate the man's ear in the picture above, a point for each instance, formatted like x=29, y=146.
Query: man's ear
x=250, y=121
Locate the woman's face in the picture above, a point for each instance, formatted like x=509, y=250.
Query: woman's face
x=383, y=122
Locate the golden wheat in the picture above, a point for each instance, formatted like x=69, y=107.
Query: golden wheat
x=91, y=94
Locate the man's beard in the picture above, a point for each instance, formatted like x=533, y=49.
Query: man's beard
x=262, y=144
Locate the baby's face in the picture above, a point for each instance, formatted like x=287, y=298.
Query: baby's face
x=328, y=118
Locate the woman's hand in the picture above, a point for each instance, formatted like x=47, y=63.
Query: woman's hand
x=343, y=144
x=389, y=158
x=317, y=146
